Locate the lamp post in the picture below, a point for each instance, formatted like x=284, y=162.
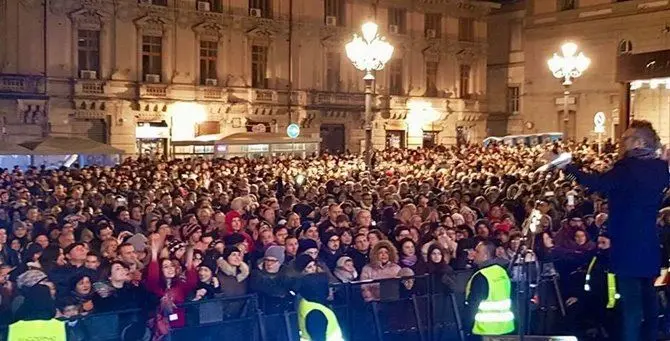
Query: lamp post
x=568, y=66
x=369, y=53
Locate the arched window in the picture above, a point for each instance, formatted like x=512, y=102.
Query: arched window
x=625, y=46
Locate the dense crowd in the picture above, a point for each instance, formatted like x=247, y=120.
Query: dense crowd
x=157, y=234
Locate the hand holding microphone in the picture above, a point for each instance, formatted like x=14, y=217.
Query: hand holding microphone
x=559, y=162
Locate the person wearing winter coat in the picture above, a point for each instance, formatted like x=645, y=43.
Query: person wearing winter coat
x=233, y=273
x=383, y=265
x=208, y=284
x=330, y=249
x=164, y=282
x=345, y=270
x=116, y=292
x=270, y=282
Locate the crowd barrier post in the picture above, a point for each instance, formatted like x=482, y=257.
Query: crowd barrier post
x=287, y=322
x=417, y=316
x=457, y=316
x=375, y=316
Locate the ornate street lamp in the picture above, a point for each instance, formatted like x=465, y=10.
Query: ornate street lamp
x=568, y=67
x=369, y=53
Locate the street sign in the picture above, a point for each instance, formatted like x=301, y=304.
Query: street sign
x=293, y=130
x=599, y=122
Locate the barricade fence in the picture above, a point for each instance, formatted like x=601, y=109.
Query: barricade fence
x=410, y=308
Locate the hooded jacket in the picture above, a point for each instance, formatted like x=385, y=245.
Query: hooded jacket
x=377, y=270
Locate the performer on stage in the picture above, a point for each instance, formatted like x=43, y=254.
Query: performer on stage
x=634, y=187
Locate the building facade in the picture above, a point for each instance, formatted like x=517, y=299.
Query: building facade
x=604, y=30
x=170, y=76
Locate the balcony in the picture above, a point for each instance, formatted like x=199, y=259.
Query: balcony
x=22, y=84
x=212, y=93
x=154, y=91
x=263, y=96
x=89, y=87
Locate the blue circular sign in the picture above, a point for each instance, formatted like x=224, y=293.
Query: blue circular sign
x=293, y=130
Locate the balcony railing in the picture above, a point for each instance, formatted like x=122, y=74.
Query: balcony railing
x=21, y=84
x=263, y=96
x=147, y=90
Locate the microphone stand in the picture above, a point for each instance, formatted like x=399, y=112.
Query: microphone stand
x=521, y=272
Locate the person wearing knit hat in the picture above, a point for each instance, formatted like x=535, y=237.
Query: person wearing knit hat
x=191, y=233
x=233, y=273
x=275, y=252
x=233, y=222
x=228, y=251
x=330, y=249
x=138, y=241
x=305, y=264
x=176, y=249
x=208, y=284
x=308, y=245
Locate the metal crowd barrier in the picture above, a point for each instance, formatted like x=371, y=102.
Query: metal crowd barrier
x=424, y=313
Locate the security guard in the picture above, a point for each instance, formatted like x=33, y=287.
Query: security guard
x=315, y=320
x=600, y=293
x=37, y=330
x=601, y=259
x=488, y=294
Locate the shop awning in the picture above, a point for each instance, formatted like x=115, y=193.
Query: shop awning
x=265, y=138
x=61, y=145
x=13, y=149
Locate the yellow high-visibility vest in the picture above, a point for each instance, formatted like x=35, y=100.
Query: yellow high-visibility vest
x=52, y=330
x=494, y=314
x=333, y=331
x=612, y=294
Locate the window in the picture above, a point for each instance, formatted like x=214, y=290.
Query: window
x=259, y=62
x=395, y=77
x=88, y=45
x=334, y=9
x=159, y=2
x=152, y=55
x=431, y=79
x=397, y=20
x=466, y=29
x=464, y=89
x=566, y=5
x=625, y=46
x=212, y=5
x=333, y=71
x=260, y=5
x=433, y=25
x=513, y=99
x=208, y=57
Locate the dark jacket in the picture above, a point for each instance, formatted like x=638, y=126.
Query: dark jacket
x=634, y=187
x=126, y=298
x=234, y=280
x=272, y=290
x=360, y=259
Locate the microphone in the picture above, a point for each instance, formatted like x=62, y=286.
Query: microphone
x=559, y=162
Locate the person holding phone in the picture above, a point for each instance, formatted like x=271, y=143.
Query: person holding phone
x=634, y=187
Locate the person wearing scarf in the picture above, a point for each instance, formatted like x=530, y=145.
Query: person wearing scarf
x=409, y=257
x=345, y=270
x=634, y=187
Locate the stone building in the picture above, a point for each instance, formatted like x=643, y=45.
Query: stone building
x=172, y=76
x=525, y=97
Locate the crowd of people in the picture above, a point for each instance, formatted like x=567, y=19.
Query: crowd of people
x=154, y=234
